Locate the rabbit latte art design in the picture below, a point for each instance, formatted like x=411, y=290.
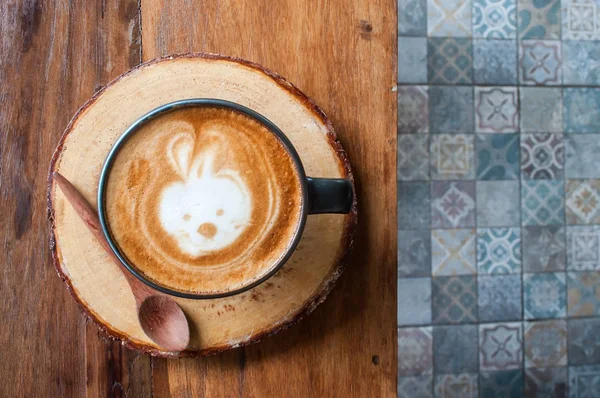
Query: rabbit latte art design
x=203, y=200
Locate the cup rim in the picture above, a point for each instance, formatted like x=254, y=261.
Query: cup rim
x=188, y=103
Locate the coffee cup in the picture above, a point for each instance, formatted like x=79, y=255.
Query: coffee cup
x=205, y=198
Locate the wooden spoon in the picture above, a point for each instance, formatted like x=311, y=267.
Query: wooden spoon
x=160, y=316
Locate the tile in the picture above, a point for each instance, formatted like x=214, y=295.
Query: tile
x=581, y=110
x=584, y=381
x=546, y=382
x=413, y=204
x=497, y=156
x=462, y=385
x=454, y=299
x=412, y=157
x=412, y=17
x=495, y=19
x=581, y=63
x=416, y=352
x=544, y=295
x=584, y=341
x=498, y=203
x=583, y=292
x=451, y=109
x=412, y=60
x=414, y=253
x=583, y=201
x=540, y=62
x=542, y=202
x=539, y=19
x=541, y=109
x=414, y=387
x=452, y=156
x=495, y=61
x=499, y=298
x=452, y=204
x=496, y=110
x=582, y=160
x=453, y=252
x=455, y=349
x=545, y=343
x=500, y=346
x=499, y=251
x=449, y=60
x=580, y=19
x=413, y=109
x=501, y=384
x=414, y=301
x=542, y=156
x=449, y=18
x=544, y=248
x=583, y=248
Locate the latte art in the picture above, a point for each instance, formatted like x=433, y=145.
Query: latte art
x=210, y=209
x=203, y=200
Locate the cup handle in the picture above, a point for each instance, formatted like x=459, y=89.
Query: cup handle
x=329, y=195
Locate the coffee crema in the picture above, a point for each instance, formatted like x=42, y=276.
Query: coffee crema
x=203, y=200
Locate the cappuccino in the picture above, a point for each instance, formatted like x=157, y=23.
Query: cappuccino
x=203, y=200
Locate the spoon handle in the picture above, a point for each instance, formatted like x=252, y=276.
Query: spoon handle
x=90, y=217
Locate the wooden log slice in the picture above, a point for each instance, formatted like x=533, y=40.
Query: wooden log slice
x=220, y=324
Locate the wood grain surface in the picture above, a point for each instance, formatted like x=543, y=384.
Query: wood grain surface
x=53, y=55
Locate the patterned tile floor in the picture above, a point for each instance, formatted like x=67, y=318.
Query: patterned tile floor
x=499, y=198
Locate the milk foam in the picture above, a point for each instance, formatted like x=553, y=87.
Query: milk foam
x=210, y=209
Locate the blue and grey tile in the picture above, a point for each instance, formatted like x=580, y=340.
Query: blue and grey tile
x=542, y=156
x=581, y=65
x=539, y=19
x=455, y=349
x=453, y=252
x=412, y=60
x=544, y=295
x=546, y=382
x=413, y=109
x=414, y=253
x=412, y=157
x=540, y=62
x=580, y=20
x=493, y=19
x=544, y=248
x=542, y=202
x=414, y=301
x=454, y=299
x=499, y=298
x=582, y=156
x=449, y=18
x=541, y=109
x=416, y=344
x=581, y=110
x=415, y=386
x=413, y=204
x=498, y=251
x=501, y=384
x=452, y=157
x=450, y=60
x=462, y=385
x=583, y=248
x=452, y=204
x=584, y=381
x=412, y=17
x=495, y=62
x=584, y=341
x=497, y=156
x=500, y=346
x=498, y=203
x=496, y=110
x=451, y=109
x=545, y=343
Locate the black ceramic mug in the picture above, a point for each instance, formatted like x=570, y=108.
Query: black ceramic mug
x=319, y=195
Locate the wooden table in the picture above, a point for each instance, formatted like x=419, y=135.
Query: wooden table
x=54, y=54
